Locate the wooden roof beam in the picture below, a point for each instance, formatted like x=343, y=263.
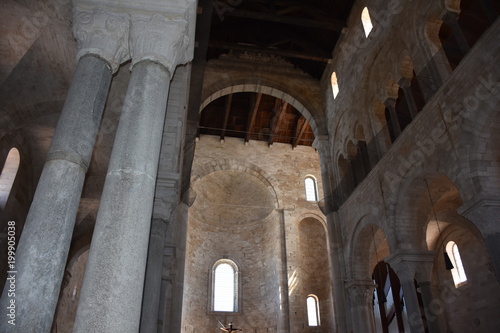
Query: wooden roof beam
x=331, y=24
x=281, y=111
x=299, y=131
x=251, y=117
x=281, y=53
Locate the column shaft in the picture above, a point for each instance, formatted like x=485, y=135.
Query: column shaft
x=111, y=294
x=284, y=322
x=412, y=306
x=430, y=316
x=46, y=238
x=452, y=20
x=154, y=272
x=391, y=106
x=412, y=106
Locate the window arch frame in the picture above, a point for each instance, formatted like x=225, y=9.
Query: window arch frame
x=316, y=311
x=315, y=188
x=236, y=287
x=8, y=174
x=458, y=270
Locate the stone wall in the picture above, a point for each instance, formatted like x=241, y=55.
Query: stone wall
x=243, y=193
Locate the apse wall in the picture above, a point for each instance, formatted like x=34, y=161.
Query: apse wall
x=249, y=198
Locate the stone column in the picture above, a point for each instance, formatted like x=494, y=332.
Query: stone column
x=154, y=272
x=424, y=277
x=46, y=238
x=452, y=20
x=412, y=106
x=112, y=288
x=329, y=207
x=284, y=321
x=361, y=299
x=391, y=106
x=405, y=271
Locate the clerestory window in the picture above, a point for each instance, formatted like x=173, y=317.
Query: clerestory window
x=8, y=175
x=458, y=271
x=335, y=85
x=311, y=189
x=313, y=310
x=366, y=21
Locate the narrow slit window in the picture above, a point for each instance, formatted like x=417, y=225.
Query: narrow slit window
x=458, y=271
x=311, y=190
x=313, y=310
x=366, y=21
x=225, y=284
x=335, y=85
x=8, y=175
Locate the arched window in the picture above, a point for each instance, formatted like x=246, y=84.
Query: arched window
x=458, y=271
x=8, y=175
x=225, y=286
x=313, y=310
x=311, y=189
x=366, y=21
x=335, y=85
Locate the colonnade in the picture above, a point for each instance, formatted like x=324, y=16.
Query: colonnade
x=156, y=40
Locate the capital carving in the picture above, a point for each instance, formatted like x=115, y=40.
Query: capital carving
x=361, y=292
x=158, y=39
x=102, y=32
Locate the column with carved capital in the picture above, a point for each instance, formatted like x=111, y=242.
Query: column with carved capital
x=43, y=248
x=405, y=270
x=361, y=299
x=112, y=288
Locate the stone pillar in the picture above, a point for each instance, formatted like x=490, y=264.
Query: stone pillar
x=451, y=19
x=483, y=210
x=405, y=270
x=46, y=238
x=424, y=278
x=361, y=299
x=329, y=207
x=112, y=288
x=391, y=106
x=154, y=272
x=284, y=321
x=412, y=106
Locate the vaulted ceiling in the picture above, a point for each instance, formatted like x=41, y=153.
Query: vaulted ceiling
x=303, y=34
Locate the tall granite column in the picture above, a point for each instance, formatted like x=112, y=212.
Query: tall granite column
x=46, y=238
x=405, y=271
x=154, y=272
x=361, y=299
x=329, y=207
x=112, y=288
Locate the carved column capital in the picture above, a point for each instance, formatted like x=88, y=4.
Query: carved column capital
x=360, y=292
x=101, y=32
x=159, y=39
